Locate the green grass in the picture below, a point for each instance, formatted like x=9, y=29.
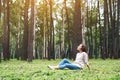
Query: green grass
x=37, y=70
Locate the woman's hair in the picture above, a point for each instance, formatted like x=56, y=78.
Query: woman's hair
x=83, y=48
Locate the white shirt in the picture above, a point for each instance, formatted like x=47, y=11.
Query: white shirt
x=81, y=59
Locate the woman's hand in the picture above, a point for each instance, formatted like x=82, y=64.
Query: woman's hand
x=88, y=67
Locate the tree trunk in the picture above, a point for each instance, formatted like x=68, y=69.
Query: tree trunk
x=31, y=33
x=104, y=52
x=91, y=31
x=52, y=53
x=112, y=7
x=50, y=42
x=118, y=28
x=44, y=31
x=48, y=34
x=115, y=43
x=88, y=37
x=110, y=45
x=17, y=51
x=96, y=34
x=68, y=31
x=25, y=34
x=52, y=25
x=0, y=9
x=77, y=28
x=0, y=27
x=6, y=31
x=47, y=51
x=100, y=29
x=63, y=34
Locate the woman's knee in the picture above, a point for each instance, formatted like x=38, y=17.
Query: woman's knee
x=67, y=65
x=65, y=59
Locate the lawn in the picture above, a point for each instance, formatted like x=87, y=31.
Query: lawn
x=37, y=70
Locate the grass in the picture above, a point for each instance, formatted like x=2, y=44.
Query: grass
x=37, y=70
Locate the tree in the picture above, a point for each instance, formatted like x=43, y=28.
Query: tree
x=6, y=31
x=25, y=35
x=44, y=32
x=100, y=28
x=62, y=36
x=118, y=28
x=18, y=27
x=31, y=33
x=0, y=8
x=77, y=28
x=113, y=29
x=47, y=30
x=51, y=45
x=91, y=31
x=96, y=31
x=104, y=52
x=87, y=26
x=68, y=31
x=0, y=28
x=110, y=50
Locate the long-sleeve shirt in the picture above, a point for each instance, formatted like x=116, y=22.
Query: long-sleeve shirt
x=81, y=59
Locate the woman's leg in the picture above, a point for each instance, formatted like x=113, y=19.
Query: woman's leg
x=61, y=64
x=69, y=66
x=64, y=61
x=72, y=66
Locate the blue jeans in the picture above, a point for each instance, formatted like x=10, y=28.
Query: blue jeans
x=65, y=63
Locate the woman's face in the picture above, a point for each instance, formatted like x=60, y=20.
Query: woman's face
x=79, y=47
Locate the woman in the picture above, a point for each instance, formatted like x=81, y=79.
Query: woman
x=79, y=63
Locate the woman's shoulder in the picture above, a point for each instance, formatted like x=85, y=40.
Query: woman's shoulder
x=84, y=53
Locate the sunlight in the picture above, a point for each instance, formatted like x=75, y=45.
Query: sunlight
x=14, y=1
x=38, y=1
x=57, y=1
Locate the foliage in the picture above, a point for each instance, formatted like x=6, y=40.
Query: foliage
x=37, y=70
x=92, y=18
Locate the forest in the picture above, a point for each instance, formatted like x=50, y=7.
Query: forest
x=52, y=29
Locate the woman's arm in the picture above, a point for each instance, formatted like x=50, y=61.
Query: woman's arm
x=86, y=60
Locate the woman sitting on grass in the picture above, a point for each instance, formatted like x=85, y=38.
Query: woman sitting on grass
x=79, y=63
